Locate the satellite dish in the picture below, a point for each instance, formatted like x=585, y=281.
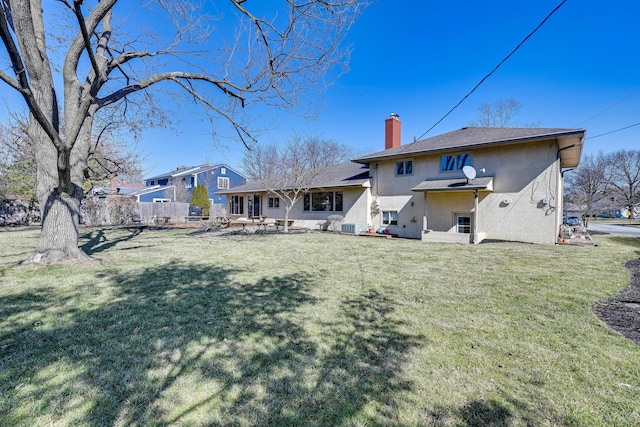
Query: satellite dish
x=469, y=172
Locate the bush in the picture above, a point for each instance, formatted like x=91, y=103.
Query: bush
x=335, y=221
x=200, y=198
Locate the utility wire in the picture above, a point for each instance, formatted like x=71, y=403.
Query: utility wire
x=613, y=131
x=496, y=67
x=609, y=107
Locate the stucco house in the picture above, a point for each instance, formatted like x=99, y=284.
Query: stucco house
x=162, y=188
x=340, y=189
x=420, y=191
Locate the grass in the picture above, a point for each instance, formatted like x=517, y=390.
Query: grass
x=313, y=330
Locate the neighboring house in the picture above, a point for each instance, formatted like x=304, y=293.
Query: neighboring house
x=419, y=190
x=163, y=188
x=117, y=187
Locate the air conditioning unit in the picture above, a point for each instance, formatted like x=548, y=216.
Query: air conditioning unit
x=352, y=228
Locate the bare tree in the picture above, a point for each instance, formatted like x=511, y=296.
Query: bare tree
x=290, y=170
x=17, y=161
x=269, y=60
x=623, y=175
x=108, y=157
x=586, y=186
x=180, y=192
x=500, y=114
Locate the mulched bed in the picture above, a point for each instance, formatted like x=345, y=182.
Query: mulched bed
x=622, y=311
x=239, y=231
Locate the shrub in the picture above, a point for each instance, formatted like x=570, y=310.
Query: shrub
x=335, y=221
x=200, y=198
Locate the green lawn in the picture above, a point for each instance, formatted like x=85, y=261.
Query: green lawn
x=313, y=329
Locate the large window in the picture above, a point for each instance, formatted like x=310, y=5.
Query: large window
x=404, y=167
x=389, y=217
x=236, y=205
x=223, y=183
x=455, y=162
x=323, y=201
x=274, y=202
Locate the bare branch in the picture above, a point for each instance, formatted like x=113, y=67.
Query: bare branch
x=224, y=86
x=85, y=36
x=23, y=82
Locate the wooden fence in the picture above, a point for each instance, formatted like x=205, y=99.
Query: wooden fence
x=147, y=211
x=176, y=212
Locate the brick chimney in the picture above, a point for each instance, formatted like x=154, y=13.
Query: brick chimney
x=392, y=127
x=113, y=184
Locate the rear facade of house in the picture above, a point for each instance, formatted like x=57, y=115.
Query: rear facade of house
x=463, y=186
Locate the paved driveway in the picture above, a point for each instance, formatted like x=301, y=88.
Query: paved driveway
x=628, y=230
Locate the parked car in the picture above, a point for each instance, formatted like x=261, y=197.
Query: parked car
x=573, y=221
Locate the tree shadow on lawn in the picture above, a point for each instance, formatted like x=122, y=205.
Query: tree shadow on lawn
x=98, y=242
x=505, y=411
x=190, y=344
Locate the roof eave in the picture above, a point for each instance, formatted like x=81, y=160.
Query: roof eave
x=557, y=135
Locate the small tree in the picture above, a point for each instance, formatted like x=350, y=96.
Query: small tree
x=200, y=198
x=500, y=114
x=180, y=193
x=587, y=185
x=289, y=171
x=623, y=174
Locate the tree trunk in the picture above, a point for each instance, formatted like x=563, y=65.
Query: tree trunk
x=285, y=229
x=59, y=234
x=60, y=212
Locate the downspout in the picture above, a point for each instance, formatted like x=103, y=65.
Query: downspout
x=560, y=187
x=424, y=215
x=475, y=217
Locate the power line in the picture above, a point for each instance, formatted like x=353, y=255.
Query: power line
x=609, y=107
x=613, y=131
x=496, y=67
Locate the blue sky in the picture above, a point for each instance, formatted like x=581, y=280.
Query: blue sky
x=419, y=58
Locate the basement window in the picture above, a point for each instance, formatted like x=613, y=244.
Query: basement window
x=389, y=217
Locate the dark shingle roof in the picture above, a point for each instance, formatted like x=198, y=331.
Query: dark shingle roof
x=344, y=175
x=468, y=137
x=482, y=183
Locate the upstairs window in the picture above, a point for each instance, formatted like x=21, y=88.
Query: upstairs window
x=404, y=167
x=455, y=162
x=223, y=183
x=223, y=171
